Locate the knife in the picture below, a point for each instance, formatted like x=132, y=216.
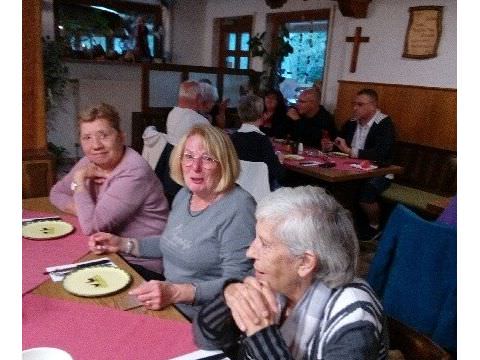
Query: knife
x=78, y=266
x=36, y=219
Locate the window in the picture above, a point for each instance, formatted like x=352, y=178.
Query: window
x=309, y=42
x=233, y=41
x=308, y=35
x=101, y=27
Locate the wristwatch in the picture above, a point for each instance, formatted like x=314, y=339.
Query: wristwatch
x=129, y=248
x=74, y=185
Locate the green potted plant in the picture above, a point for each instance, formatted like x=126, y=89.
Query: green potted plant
x=55, y=80
x=272, y=59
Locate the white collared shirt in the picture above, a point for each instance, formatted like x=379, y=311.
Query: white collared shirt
x=246, y=127
x=361, y=132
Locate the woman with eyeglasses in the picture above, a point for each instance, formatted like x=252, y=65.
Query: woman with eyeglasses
x=112, y=188
x=209, y=229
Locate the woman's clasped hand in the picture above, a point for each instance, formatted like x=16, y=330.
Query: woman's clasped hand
x=253, y=304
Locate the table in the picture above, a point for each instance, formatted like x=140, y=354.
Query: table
x=96, y=328
x=118, y=301
x=339, y=173
x=342, y=172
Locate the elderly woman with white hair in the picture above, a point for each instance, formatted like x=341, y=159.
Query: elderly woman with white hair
x=304, y=301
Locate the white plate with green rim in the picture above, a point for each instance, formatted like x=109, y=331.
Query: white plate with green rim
x=294, y=157
x=96, y=281
x=46, y=230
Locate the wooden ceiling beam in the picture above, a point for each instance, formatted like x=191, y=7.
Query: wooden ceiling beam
x=354, y=8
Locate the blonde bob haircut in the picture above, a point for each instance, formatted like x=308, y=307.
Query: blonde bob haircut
x=218, y=145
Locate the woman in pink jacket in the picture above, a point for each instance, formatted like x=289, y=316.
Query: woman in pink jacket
x=112, y=188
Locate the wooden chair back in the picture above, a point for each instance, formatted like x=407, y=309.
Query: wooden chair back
x=412, y=344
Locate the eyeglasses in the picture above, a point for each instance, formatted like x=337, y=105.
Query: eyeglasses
x=207, y=161
x=354, y=103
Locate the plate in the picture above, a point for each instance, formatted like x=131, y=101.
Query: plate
x=293, y=157
x=45, y=353
x=337, y=153
x=96, y=281
x=45, y=230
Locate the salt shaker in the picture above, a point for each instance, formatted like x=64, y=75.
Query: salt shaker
x=300, y=148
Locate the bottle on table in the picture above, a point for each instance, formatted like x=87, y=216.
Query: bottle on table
x=300, y=148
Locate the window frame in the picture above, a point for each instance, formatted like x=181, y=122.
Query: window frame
x=275, y=21
x=237, y=25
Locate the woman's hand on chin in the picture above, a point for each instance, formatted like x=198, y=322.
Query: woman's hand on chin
x=253, y=305
x=92, y=172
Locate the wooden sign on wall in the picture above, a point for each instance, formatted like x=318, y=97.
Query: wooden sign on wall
x=423, y=33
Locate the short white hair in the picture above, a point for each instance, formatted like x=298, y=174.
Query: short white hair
x=306, y=218
x=208, y=92
x=189, y=89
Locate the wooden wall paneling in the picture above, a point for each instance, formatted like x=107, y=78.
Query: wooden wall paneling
x=33, y=108
x=422, y=115
x=37, y=163
x=37, y=176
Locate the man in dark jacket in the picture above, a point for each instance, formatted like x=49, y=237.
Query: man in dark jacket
x=309, y=121
x=369, y=135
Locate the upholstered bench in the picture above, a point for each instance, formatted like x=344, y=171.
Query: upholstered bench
x=413, y=198
x=430, y=176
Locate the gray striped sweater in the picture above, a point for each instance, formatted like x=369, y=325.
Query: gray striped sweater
x=351, y=326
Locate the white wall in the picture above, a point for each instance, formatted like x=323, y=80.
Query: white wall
x=380, y=60
x=118, y=85
x=189, y=24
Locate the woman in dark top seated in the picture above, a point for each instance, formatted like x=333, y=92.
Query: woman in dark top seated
x=274, y=115
x=251, y=143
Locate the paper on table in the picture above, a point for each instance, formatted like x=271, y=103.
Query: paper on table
x=199, y=354
x=357, y=166
x=59, y=276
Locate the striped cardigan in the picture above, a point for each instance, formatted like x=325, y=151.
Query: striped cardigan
x=351, y=326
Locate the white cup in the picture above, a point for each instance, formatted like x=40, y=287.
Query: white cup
x=45, y=353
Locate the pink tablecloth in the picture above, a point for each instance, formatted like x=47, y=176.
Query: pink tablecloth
x=37, y=255
x=94, y=332
x=341, y=163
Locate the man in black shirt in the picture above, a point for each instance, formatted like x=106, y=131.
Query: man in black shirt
x=310, y=121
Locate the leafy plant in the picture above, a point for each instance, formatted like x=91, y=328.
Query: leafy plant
x=58, y=151
x=55, y=72
x=272, y=59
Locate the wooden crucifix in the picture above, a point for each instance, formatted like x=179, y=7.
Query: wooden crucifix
x=357, y=39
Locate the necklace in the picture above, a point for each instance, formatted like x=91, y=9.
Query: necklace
x=196, y=213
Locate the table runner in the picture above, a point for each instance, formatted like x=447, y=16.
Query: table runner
x=95, y=332
x=341, y=163
x=37, y=255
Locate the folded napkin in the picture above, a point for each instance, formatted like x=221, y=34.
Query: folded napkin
x=57, y=273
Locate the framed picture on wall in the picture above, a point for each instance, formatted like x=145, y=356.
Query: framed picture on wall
x=423, y=32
